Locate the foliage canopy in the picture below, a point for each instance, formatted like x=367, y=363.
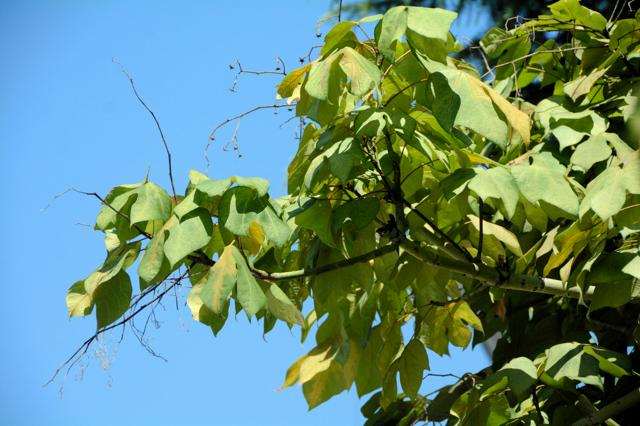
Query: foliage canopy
x=429, y=196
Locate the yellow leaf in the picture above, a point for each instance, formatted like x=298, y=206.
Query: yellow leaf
x=293, y=373
x=220, y=282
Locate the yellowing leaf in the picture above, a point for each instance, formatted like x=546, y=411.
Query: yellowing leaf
x=292, y=81
x=222, y=278
x=507, y=237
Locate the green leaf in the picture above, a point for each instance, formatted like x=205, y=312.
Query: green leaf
x=189, y=234
x=317, y=216
x=214, y=187
x=606, y=194
x=116, y=200
x=112, y=299
x=568, y=361
x=221, y=279
x=152, y=203
x=249, y=293
x=429, y=25
x=241, y=206
x=318, y=80
x=499, y=184
x=339, y=35
x=582, y=85
x=333, y=379
x=411, y=365
x=633, y=267
x=567, y=126
x=591, y=151
x=359, y=213
x=507, y=237
x=361, y=74
x=544, y=180
x=573, y=12
x=340, y=159
x=392, y=28
x=460, y=99
x=260, y=185
x=281, y=307
x=614, y=294
x=79, y=302
x=154, y=266
x=368, y=377
x=521, y=375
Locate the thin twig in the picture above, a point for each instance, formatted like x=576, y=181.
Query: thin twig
x=212, y=136
x=155, y=119
x=73, y=359
x=480, y=238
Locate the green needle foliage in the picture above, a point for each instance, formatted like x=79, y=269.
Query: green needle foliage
x=432, y=197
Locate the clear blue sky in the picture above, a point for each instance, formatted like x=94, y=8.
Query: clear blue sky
x=68, y=119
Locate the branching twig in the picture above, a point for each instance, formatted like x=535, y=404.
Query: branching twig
x=212, y=136
x=155, y=119
x=75, y=357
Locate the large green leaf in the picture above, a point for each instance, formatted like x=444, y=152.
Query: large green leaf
x=249, y=293
x=499, y=184
x=567, y=126
x=357, y=213
x=187, y=235
x=281, y=307
x=430, y=24
x=152, y=203
x=361, y=74
x=241, y=206
x=411, y=365
x=340, y=160
x=330, y=376
x=154, y=265
x=81, y=296
x=317, y=216
x=606, y=194
x=590, y=152
x=112, y=299
x=544, y=180
x=459, y=99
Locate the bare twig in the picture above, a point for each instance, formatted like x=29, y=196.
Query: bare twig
x=75, y=357
x=212, y=136
x=155, y=119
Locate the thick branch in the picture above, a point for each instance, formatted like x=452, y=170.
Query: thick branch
x=492, y=277
x=325, y=268
x=608, y=411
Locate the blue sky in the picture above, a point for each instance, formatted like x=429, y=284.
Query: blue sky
x=68, y=119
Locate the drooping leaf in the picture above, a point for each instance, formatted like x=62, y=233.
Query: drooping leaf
x=280, y=306
x=221, y=280
x=411, y=365
x=112, y=299
x=249, y=293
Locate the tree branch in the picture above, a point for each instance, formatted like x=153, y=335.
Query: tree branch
x=492, y=277
x=155, y=119
x=301, y=273
x=616, y=407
